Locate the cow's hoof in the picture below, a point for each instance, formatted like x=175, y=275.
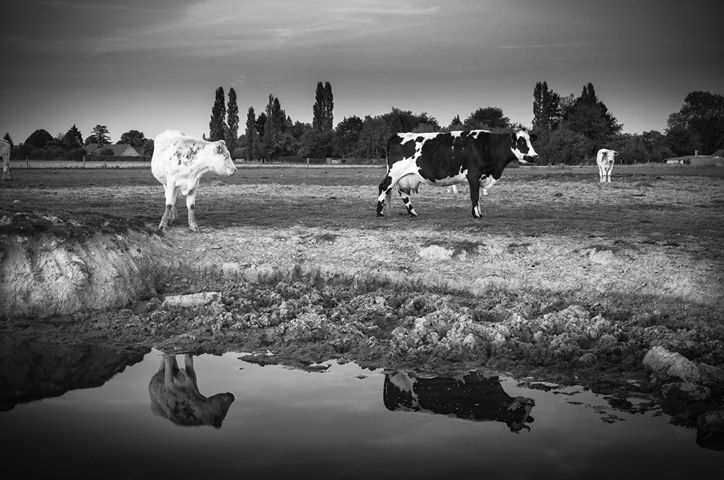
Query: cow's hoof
x=380, y=214
x=194, y=227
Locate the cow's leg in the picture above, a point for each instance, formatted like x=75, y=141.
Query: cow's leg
x=475, y=196
x=6, y=169
x=189, y=365
x=384, y=193
x=172, y=218
x=489, y=182
x=191, y=205
x=170, y=367
x=608, y=174
x=170, y=192
x=408, y=204
x=602, y=173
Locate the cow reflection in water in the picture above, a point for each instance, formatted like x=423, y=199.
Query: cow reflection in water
x=474, y=397
x=175, y=395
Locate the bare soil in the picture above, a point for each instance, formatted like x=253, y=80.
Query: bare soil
x=562, y=279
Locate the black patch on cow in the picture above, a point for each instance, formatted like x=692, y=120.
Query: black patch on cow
x=192, y=206
x=522, y=145
x=439, y=159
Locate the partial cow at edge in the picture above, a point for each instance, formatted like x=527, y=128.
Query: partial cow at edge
x=178, y=162
x=5, y=150
x=449, y=158
x=604, y=160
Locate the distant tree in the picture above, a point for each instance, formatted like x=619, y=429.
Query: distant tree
x=565, y=147
x=348, y=132
x=322, y=111
x=405, y=121
x=251, y=134
x=488, y=117
x=7, y=138
x=590, y=116
x=101, y=135
x=703, y=115
x=134, y=138
x=456, y=124
x=274, y=140
x=682, y=141
x=38, y=139
x=217, y=124
x=546, y=108
x=232, y=121
x=373, y=137
x=147, y=148
x=73, y=138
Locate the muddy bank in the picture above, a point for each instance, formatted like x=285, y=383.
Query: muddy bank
x=53, y=265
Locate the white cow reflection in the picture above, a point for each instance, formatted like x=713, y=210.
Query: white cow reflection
x=175, y=396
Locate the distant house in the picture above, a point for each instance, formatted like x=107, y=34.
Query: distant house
x=700, y=160
x=119, y=150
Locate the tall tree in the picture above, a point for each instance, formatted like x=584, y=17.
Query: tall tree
x=703, y=115
x=134, y=138
x=217, y=124
x=73, y=138
x=488, y=117
x=348, y=132
x=275, y=139
x=546, y=108
x=101, y=135
x=322, y=111
x=252, y=134
x=456, y=124
x=590, y=116
x=7, y=138
x=232, y=120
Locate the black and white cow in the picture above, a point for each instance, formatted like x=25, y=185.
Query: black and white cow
x=449, y=158
x=473, y=397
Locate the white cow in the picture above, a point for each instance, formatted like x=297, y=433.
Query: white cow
x=604, y=160
x=5, y=156
x=178, y=163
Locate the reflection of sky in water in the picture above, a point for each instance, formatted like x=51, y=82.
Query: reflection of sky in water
x=330, y=425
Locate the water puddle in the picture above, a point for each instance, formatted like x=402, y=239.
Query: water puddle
x=89, y=412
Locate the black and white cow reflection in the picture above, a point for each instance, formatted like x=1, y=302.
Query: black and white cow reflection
x=175, y=396
x=473, y=397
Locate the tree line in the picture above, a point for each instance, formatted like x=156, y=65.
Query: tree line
x=569, y=130
x=71, y=145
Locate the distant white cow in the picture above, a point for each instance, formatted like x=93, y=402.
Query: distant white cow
x=5, y=156
x=604, y=160
x=178, y=163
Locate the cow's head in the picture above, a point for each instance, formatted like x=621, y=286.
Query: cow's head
x=522, y=148
x=221, y=160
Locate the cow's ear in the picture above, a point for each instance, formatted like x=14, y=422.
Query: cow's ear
x=223, y=142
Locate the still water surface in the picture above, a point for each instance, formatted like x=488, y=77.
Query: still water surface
x=345, y=422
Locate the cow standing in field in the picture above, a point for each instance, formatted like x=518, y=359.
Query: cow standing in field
x=178, y=162
x=450, y=158
x=5, y=149
x=604, y=160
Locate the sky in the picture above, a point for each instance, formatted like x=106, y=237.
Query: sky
x=152, y=65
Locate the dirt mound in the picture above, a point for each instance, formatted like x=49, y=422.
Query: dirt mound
x=50, y=265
